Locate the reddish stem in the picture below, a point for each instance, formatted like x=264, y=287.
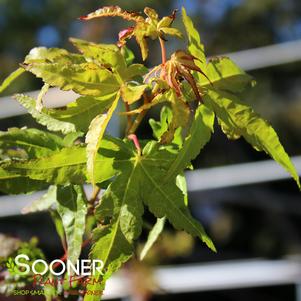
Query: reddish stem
x=163, y=51
x=65, y=256
x=134, y=138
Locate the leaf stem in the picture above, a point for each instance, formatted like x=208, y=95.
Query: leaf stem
x=163, y=51
x=134, y=138
x=140, y=117
x=65, y=256
x=137, y=122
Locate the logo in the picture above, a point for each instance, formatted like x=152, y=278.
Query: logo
x=22, y=266
x=11, y=267
x=56, y=274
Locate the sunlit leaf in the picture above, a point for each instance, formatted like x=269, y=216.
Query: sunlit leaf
x=120, y=210
x=69, y=71
x=224, y=74
x=172, y=32
x=13, y=76
x=243, y=121
x=113, y=11
x=94, y=136
x=195, y=46
x=150, y=27
x=131, y=93
x=68, y=165
x=106, y=54
x=82, y=111
x=199, y=134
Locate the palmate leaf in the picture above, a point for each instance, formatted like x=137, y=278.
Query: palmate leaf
x=243, y=121
x=36, y=143
x=43, y=118
x=69, y=71
x=68, y=165
x=85, y=78
x=109, y=55
x=94, y=136
x=52, y=55
x=72, y=208
x=120, y=210
x=13, y=76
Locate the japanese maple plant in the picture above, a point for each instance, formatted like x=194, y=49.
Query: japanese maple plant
x=127, y=174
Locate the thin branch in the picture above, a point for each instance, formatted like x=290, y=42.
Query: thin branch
x=65, y=256
x=129, y=119
x=163, y=51
x=134, y=138
x=140, y=117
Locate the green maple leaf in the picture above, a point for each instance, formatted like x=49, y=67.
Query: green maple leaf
x=66, y=166
x=238, y=119
x=121, y=208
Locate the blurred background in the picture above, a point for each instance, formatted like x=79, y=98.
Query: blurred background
x=255, y=224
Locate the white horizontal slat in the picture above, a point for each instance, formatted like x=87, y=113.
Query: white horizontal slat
x=238, y=174
x=267, y=56
x=214, y=276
